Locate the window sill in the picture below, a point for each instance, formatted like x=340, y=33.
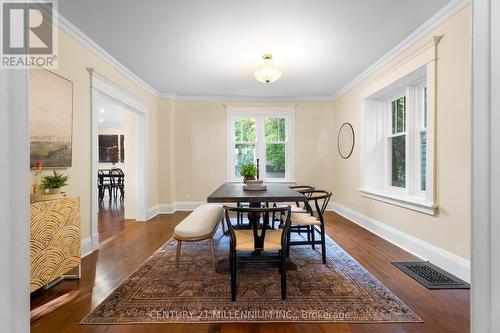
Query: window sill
x=402, y=200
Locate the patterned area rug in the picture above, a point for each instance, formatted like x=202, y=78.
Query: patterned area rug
x=340, y=291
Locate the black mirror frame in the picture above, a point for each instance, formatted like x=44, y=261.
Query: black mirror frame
x=353, y=141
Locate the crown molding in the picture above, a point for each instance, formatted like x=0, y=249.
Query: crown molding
x=167, y=95
x=253, y=98
x=436, y=20
x=90, y=44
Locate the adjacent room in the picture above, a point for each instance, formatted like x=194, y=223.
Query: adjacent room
x=251, y=166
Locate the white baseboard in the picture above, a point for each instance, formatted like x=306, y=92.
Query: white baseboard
x=172, y=208
x=187, y=205
x=178, y=206
x=448, y=261
x=89, y=244
x=86, y=246
x=152, y=212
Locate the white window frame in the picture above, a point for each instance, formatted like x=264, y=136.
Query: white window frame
x=261, y=114
x=376, y=182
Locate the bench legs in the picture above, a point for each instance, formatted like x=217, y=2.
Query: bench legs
x=178, y=252
x=212, y=250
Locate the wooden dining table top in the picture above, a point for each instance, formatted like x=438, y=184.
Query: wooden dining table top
x=234, y=192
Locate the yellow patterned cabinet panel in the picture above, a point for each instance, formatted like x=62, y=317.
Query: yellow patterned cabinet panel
x=54, y=239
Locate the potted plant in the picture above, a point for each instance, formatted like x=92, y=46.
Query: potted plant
x=248, y=171
x=53, y=183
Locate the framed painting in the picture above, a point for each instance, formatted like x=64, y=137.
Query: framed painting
x=106, y=143
x=50, y=119
x=110, y=144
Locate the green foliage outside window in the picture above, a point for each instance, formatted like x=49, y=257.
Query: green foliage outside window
x=275, y=153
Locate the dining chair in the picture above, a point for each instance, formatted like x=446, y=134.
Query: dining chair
x=296, y=208
x=304, y=189
x=114, y=178
x=102, y=184
x=261, y=244
x=121, y=183
x=311, y=220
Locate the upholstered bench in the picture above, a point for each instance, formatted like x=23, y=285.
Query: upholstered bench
x=200, y=225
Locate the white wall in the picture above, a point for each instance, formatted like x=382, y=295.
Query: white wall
x=14, y=202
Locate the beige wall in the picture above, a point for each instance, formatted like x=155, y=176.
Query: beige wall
x=165, y=149
x=74, y=59
x=198, y=146
x=450, y=229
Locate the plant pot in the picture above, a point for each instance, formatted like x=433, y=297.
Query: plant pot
x=248, y=178
x=56, y=190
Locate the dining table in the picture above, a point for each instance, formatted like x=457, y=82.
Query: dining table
x=235, y=193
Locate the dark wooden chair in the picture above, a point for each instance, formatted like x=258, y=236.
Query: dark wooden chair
x=304, y=189
x=116, y=183
x=311, y=221
x=103, y=184
x=121, y=183
x=259, y=244
x=296, y=207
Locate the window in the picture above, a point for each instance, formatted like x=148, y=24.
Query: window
x=397, y=158
x=254, y=133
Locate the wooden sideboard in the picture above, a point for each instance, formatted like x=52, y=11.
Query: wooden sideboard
x=54, y=241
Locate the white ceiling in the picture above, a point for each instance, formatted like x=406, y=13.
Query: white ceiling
x=210, y=48
x=111, y=113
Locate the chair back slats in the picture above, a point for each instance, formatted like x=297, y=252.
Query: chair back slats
x=262, y=218
x=304, y=189
x=321, y=199
x=116, y=177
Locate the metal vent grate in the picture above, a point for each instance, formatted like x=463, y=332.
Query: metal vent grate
x=431, y=276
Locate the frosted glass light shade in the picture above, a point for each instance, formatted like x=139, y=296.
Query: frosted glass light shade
x=267, y=73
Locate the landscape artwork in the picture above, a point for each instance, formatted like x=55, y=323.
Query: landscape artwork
x=50, y=119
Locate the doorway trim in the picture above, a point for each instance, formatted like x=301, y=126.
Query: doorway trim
x=485, y=291
x=100, y=85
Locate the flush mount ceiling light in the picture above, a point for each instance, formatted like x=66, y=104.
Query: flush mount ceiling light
x=267, y=73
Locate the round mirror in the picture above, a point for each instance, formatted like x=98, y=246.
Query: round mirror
x=345, y=140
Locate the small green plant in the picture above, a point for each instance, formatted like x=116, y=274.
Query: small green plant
x=248, y=170
x=56, y=180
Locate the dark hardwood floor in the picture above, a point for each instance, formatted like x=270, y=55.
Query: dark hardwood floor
x=110, y=217
x=127, y=244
